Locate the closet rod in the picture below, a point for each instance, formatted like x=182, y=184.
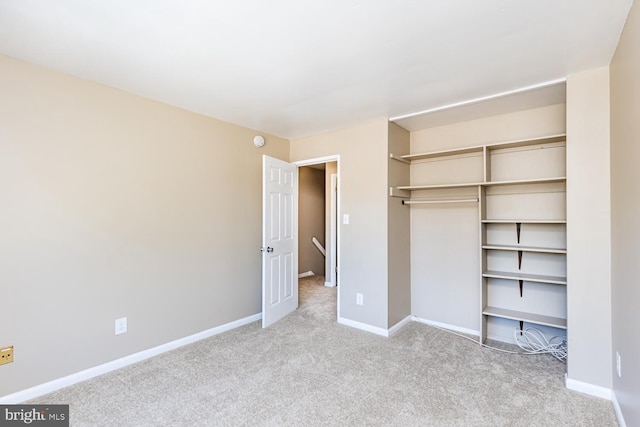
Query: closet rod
x=431, y=202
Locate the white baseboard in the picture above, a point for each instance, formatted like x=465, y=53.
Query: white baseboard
x=306, y=274
x=374, y=329
x=330, y=284
x=395, y=328
x=446, y=326
x=616, y=407
x=51, y=386
x=363, y=326
x=500, y=338
x=586, y=388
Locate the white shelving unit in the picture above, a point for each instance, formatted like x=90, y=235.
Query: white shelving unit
x=538, y=319
x=518, y=248
x=539, y=278
x=521, y=212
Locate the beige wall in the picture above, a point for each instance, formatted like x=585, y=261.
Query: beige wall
x=588, y=228
x=399, y=231
x=363, y=195
x=506, y=127
x=112, y=206
x=311, y=210
x=444, y=238
x=625, y=212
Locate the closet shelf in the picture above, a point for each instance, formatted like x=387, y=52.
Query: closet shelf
x=443, y=153
x=480, y=148
x=561, y=137
x=399, y=158
x=480, y=184
x=438, y=201
x=555, y=280
x=524, y=221
x=435, y=186
x=525, y=249
x=538, y=319
x=527, y=181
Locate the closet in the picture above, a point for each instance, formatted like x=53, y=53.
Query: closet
x=503, y=202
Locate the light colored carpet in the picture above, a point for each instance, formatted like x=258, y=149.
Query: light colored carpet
x=308, y=370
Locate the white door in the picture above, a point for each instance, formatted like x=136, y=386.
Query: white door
x=279, y=239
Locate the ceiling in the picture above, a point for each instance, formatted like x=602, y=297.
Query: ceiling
x=300, y=67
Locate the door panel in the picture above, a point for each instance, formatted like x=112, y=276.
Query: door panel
x=279, y=240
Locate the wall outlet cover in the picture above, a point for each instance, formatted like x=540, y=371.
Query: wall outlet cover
x=121, y=325
x=6, y=355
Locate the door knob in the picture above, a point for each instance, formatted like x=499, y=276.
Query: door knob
x=268, y=249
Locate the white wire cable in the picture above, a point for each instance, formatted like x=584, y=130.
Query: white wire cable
x=558, y=350
x=534, y=342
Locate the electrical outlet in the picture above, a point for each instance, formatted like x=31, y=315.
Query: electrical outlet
x=359, y=299
x=6, y=355
x=619, y=364
x=121, y=325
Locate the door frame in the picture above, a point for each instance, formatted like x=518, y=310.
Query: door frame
x=316, y=161
x=332, y=280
